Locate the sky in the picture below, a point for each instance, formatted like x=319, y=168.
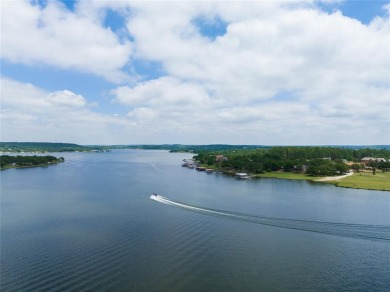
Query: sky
x=308, y=72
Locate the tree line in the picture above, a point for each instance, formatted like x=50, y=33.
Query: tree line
x=41, y=147
x=25, y=161
x=313, y=161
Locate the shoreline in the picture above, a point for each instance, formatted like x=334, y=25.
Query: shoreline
x=16, y=166
x=352, y=180
x=362, y=181
x=28, y=166
x=332, y=178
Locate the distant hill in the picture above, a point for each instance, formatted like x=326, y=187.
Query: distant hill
x=222, y=147
x=41, y=147
x=184, y=148
x=69, y=147
x=363, y=146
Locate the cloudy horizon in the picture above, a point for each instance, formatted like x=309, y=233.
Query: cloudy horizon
x=196, y=72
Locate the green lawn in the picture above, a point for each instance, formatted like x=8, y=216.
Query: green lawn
x=286, y=175
x=366, y=180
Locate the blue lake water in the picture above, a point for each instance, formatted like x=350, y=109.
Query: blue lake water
x=89, y=224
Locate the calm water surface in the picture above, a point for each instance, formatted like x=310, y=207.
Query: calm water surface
x=88, y=224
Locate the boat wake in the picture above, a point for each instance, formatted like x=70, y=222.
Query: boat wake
x=364, y=231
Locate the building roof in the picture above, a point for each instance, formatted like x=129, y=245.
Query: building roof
x=373, y=158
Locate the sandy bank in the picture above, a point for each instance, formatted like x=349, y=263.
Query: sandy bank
x=329, y=178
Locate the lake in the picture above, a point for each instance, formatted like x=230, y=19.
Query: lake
x=89, y=224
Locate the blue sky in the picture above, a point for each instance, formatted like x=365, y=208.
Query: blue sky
x=362, y=10
x=107, y=72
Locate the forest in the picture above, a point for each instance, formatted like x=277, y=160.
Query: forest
x=41, y=147
x=70, y=147
x=315, y=161
x=184, y=148
x=7, y=161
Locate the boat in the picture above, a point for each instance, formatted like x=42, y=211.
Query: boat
x=242, y=175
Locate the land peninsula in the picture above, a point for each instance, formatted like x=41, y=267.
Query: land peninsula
x=352, y=167
x=42, y=147
x=365, y=167
x=7, y=161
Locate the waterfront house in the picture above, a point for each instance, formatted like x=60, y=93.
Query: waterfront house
x=366, y=160
x=220, y=158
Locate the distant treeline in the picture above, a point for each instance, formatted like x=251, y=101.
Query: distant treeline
x=223, y=147
x=69, y=147
x=26, y=161
x=184, y=148
x=312, y=160
x=41, y=147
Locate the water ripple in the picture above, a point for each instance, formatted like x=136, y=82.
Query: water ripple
x=363, y=231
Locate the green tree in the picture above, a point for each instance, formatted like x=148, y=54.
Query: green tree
x=384, y=166
x=341, y=167
x=357, y=167
x=373, y=164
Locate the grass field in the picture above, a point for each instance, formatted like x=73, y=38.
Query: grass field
x=364, y=180
x=286, y=175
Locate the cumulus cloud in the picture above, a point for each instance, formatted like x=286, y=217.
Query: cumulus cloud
x=165, y=91
x=279, y=73
x=335, y=66
x=262, y=54
x=55, y=36
x=386, y=7
x=29, y=113
x=66, y=98
x=29, y=97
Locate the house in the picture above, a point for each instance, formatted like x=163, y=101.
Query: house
x=220, y=158
x=366, y=160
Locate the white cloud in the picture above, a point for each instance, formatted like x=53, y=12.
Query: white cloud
x=66, y=98
x=335, y=66
x=142, y=115
x=56, y=36
x=163, y=92
x=283, y=73
x=29, y=113
x=386, y=7
x=260, y=56
x=21, y=95
x=34, y=99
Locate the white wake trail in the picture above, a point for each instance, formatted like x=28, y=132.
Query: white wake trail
x=378, y=232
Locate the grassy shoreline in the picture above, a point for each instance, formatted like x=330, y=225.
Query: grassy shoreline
x=29, y=166
x=366, y=180
x=286, y=175
x=363, y=180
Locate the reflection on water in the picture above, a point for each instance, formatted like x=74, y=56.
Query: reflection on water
x=88, y=224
